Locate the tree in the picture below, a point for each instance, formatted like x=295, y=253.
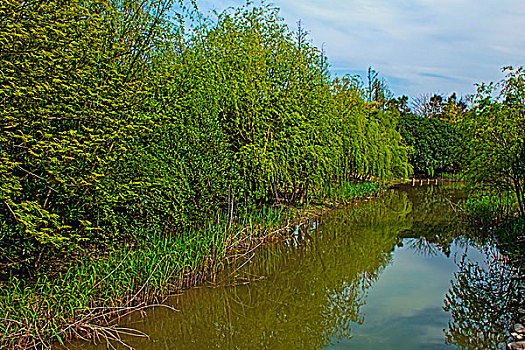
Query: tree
x=377, y=89
x=437, y=106
x=493, y=153
x=72, y=73
x=400, y=104
x=433, y=142
x=371, y=143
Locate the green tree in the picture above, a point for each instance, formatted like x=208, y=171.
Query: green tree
x=272, y=90
x=447, y=109
x=433, y=143
x=72, y=73
x=370, y=142
x=493, y=153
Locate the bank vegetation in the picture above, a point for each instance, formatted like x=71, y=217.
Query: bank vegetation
x=143, y=145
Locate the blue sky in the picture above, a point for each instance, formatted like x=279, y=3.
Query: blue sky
x=419, y=46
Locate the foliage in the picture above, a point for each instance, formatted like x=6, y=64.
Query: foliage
x=69, y=113
x=447, y=109
x=120, y=126
x=433, y=143
x=267, y=99
x=370, y=144
x=487, y=206
x=493, y=133
x=347, y=191
x=376, y=89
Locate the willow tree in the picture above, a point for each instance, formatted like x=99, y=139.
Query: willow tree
x=371, y=142
x=181, y=165
x=493, y=153
x=269, y=83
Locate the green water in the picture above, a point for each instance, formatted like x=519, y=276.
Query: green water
x=372, y=276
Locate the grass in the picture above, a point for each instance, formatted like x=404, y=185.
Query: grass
x=348, y=191
x=487, y=206
x=452, y=176
x=96, y=287
x=76, y=299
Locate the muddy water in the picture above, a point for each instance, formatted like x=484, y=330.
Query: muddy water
x=395, y=272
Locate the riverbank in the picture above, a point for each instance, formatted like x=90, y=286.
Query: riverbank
x=79, y=297
x=332, y=284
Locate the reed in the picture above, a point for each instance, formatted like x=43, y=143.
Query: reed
x=452, y=176
x=347, y=191
x=96, y=287
x=78, y=298
x=487, y=206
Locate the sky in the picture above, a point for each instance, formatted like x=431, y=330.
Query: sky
x=418, y=46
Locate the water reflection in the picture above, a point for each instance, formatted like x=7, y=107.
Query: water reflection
x=313, y=290
x=480, y=301
x=370, y=276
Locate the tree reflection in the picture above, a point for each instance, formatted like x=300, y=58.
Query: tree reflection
x=482, y=295
x=312, y=292
x=480, y=300
x=424, y=246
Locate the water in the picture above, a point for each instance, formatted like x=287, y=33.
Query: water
x=395, y=272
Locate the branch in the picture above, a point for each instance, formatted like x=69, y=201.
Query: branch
x=30, y=173
x=38, y=177
x=11, y=210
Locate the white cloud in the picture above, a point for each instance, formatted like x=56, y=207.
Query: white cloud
x=418, y=45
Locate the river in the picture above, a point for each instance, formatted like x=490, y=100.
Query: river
x=400, y=271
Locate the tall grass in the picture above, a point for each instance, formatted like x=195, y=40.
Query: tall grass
x=74, y=299
x=71, y=299
x=347, y=191
x=97, y=286
x=452, y=176
x=487, y=206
